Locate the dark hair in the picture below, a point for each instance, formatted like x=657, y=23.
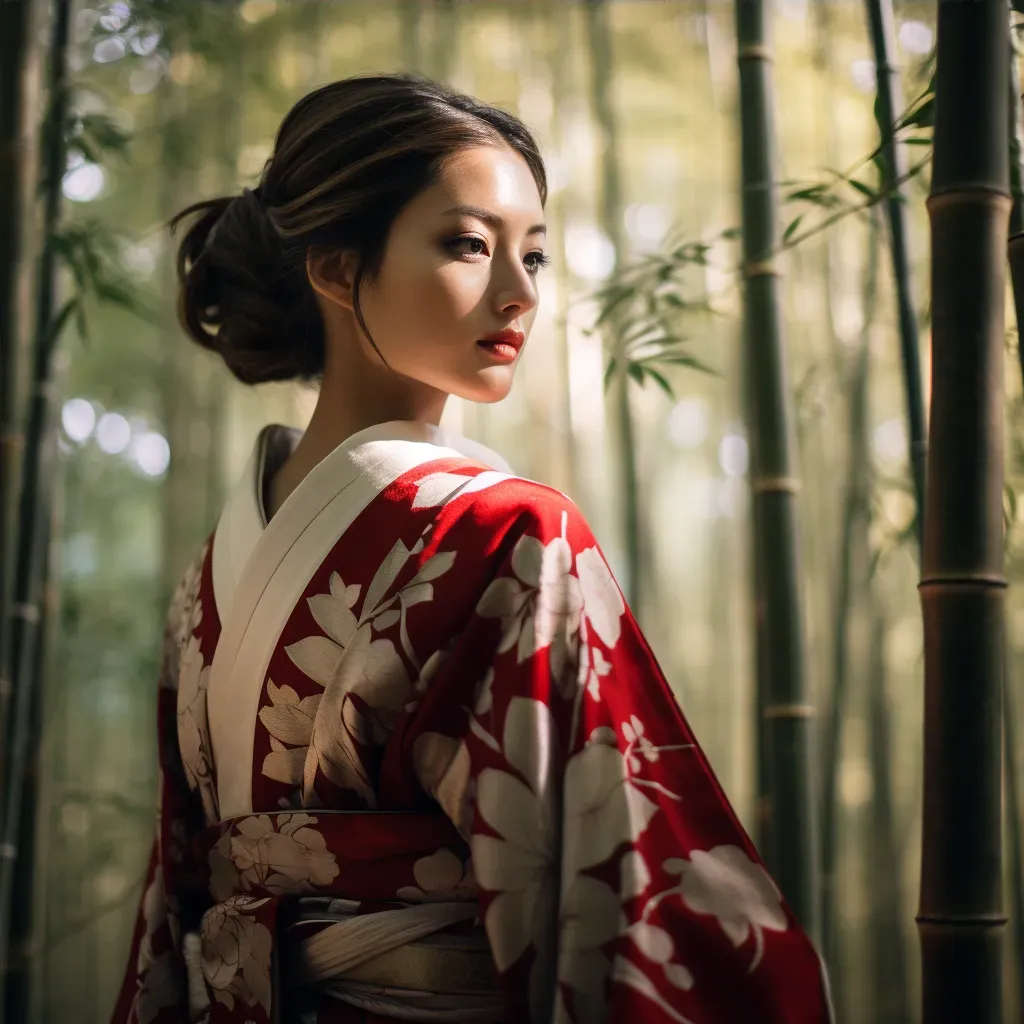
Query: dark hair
x=347, y=158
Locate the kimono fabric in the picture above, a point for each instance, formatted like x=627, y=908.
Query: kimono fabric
x=418, y=762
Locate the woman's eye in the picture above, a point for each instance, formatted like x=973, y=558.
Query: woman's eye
x=536, y=260
x=468, y=240
x=540, y=260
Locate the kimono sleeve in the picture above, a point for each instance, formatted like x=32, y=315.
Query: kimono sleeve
x=616, y=882
x=155, y=989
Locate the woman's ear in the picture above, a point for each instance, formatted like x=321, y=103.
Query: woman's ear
x=332, y=275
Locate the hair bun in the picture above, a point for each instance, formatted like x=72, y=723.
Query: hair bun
x=241, y=297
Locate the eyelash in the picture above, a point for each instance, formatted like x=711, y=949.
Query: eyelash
x=542, y=260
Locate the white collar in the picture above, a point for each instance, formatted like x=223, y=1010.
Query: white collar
x=244, y=519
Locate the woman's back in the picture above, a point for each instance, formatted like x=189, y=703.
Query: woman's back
x=422, y=699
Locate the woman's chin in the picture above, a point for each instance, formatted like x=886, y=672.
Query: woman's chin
x=487, y=386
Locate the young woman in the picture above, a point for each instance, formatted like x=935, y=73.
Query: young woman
x=417, y=760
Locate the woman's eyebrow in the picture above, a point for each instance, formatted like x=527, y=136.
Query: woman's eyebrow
x=494, y=219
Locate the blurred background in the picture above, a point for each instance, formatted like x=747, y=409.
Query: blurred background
x=635, y=105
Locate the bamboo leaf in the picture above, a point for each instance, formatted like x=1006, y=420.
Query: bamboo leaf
x=59, y=322
x=610, y=372
x=660, y=381
x=864, y=190
x=920, y=116
x=692, y=363
x=792, y=228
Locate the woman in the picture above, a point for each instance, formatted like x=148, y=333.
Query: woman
x=417, y=760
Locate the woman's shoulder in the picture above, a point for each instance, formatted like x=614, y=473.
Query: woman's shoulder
x=501, y=502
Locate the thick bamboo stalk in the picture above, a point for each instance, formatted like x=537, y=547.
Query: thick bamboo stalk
x=890, y=102
x=17, y=182
x=1012, y=802
x=852, y=549
x=33, y=526
x=1015, y=244
x=1011, y=760
x=960, y=920
x=787, y=710
x=599, y=38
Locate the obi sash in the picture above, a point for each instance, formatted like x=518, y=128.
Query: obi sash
x=283, y=933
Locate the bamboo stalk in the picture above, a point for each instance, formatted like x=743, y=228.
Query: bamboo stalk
x=786, y=707
x=28, y=909
x=446, y=40
x=17, y=179
x=33, y=529
x=409, y=13
x=1011, y=760
x=890, y=102
x=599, y=38
x=888, y=957
x=38, y=473
x=853, y=541
x=960, y=920
x=1015, y=242
x=1011, y=801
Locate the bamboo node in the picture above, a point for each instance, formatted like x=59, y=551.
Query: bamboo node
x=790, y=711
x=755, y=51
x=776, y=485
x=761, y=268
x=994, y=920
x=961, y=580
x=971, y=195
x=8, y=851
x=26, y=611
x=5, y=687
x=14, y=441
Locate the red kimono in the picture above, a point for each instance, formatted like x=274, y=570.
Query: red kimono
x=419, y=763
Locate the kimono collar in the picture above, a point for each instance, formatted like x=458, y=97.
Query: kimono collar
x=244, y=518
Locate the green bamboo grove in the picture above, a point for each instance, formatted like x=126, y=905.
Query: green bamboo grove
x=784, y=704
x=960, y=919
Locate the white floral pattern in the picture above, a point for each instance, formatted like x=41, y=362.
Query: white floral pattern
x=237, y=953
x=193, y=726
x=520, y=863
x=442, y=766
x=725, y=882
x=282, y=855
x=441, y=877
x=159, y=989
x=601, y=596
x=540, y=606
x=366, y=681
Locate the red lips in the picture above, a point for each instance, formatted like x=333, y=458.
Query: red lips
x=507, y=336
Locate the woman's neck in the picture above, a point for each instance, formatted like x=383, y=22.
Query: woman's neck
x=347, y=404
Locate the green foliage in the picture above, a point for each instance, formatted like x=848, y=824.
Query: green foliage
x=644, y=304
x=89, y=252
x=644, y=309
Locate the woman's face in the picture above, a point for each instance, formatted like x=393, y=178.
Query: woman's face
x=461, y=263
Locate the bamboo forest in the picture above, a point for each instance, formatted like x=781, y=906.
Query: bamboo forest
x=775, y=364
